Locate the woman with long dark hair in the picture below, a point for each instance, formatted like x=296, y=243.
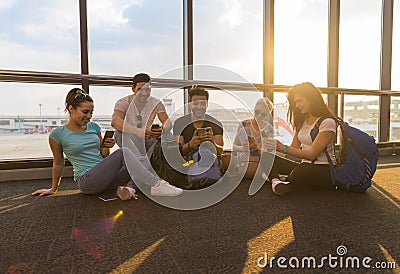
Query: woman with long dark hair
x=306, y=107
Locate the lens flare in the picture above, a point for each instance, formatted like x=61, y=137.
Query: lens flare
x=93, y=237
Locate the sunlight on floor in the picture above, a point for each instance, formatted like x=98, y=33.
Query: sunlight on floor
x=269, y=242
x=133, y=263
x=9, y=208
x=16, y=197
x=395, y=203
x=66, y=192
x=389, y=258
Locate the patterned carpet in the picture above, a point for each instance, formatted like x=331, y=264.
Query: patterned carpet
x=73, y=233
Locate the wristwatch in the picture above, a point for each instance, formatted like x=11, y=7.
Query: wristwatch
x=285, y=149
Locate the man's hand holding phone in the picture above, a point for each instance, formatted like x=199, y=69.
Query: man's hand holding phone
x=156, y=130
x=196, y=138
x=205, y=134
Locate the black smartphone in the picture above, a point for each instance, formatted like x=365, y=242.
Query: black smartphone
x=108, y=134
x=201, y=131
x=155, y=126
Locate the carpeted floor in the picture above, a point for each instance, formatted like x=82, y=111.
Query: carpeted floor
x=73, y=233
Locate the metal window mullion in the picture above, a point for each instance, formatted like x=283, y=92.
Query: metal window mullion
x=187, y=47
x=385, y=70
x=268, y=45
x=84, y=43
x=333, y=53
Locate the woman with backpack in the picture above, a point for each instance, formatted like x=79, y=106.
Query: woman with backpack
x=95, y=169
x=306, y=108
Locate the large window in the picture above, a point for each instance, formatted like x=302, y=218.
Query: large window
x=360, y=39
x=301, y=40
x=127, y=37
x=131, y=36
x=395, y=118
x=28, y=115
x=229, y=34
x=362, y=112
x=40, y=36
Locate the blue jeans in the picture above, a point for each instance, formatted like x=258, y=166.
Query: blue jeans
x=111, y=172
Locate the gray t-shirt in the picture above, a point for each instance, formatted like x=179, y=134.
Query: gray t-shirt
x=145, y=118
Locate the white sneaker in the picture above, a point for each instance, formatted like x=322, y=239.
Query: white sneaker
x=126, y=193
x=281, y=188
x=163, y=188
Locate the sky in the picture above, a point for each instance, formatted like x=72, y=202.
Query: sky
x=131, y=36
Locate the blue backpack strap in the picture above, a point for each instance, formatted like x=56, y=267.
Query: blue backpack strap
x=314, y=133
x=195, y=156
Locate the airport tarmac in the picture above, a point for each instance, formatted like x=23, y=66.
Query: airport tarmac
x=17, y=146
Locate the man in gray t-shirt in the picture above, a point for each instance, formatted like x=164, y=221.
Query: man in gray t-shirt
x=134, y=114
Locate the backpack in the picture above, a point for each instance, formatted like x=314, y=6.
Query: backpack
x=358, y=158
x=197, y=176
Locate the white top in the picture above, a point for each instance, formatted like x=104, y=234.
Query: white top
x=304, y=136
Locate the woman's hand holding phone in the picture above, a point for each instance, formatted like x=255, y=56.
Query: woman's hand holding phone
x=108, y=140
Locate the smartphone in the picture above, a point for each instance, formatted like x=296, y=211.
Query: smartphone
x=107, y=198
x=201, y=131
x=108, y=134
x=155, y=126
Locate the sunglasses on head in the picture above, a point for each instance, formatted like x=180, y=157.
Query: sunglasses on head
x=79, y=93
x=139, y=118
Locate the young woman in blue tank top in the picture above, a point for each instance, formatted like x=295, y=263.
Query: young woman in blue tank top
x=95, y=169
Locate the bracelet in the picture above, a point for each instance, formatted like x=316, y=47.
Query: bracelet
x=285, y=149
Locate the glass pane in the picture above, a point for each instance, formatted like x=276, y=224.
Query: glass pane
x=106, y=97
x=229, y=34
x=395, y=119
x=396, y=47
x=128, y=37
x=27, y=117
x=301, y=40
x=362, y=112
x=360, y=39
x=42, y=37
x=283, y=129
